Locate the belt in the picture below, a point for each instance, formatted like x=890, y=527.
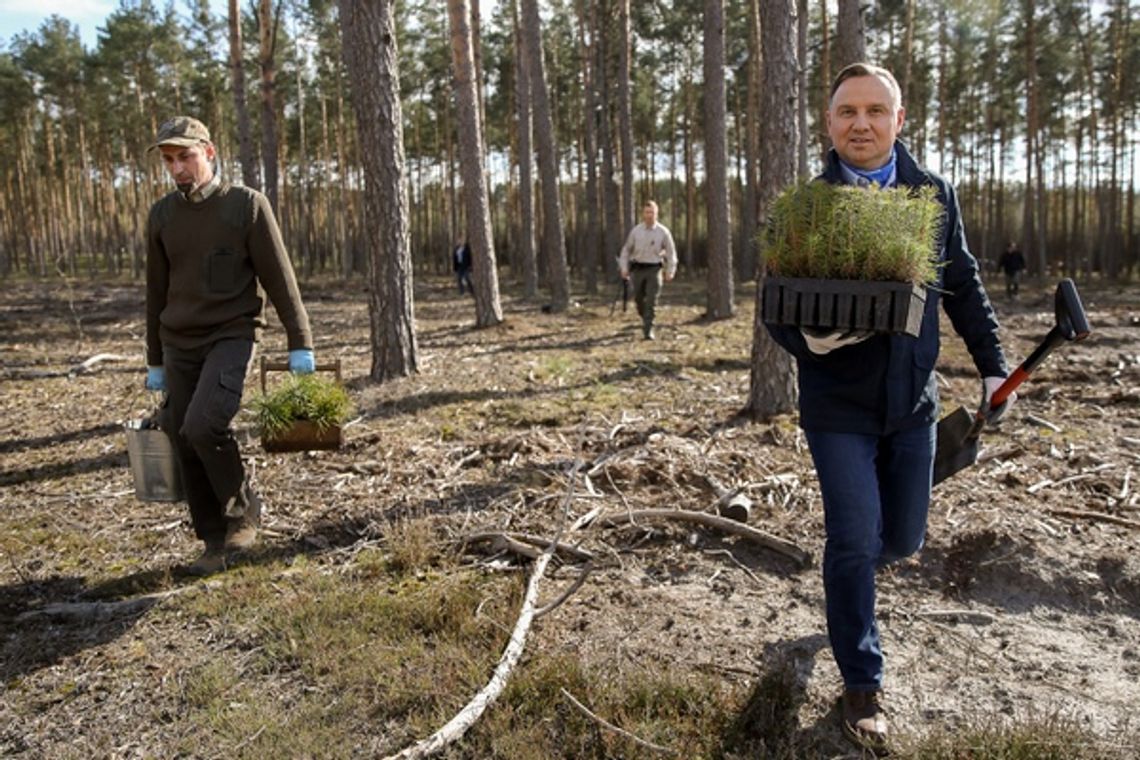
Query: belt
x=643, y=265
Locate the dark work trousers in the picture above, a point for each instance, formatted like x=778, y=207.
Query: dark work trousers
x=204, y=387
x=646, y=280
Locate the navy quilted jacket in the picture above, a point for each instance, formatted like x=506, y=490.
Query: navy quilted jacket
x=886, y=383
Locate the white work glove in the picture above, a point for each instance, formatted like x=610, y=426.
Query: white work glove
x=823, y=341
x=989, y=388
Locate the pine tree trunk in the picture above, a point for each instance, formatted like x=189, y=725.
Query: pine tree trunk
x=370, y=54
x=488, y=312
x=825, y=77
x=752, y=142
x=553, y=244
x=852, y=42
x=613, y=233
x=625, y=116
x=586, y=17
x=1033, y=252
x=772, y=386
x=801, y=86
x=720, y=275
x=526, y=164
x=251, y=177
x=267, y=30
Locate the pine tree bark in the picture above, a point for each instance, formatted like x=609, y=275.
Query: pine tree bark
x=625, y=116
x=250, y=176
x=720, y=275
x=553, y=243
x=267, y=32
x=369, y=32
x=772, y=386
x=586, y=19
x=749, y=252
x=852, y=43
x=526, y=163
x=1030, y=245
x=613, y=233
x=484, y=274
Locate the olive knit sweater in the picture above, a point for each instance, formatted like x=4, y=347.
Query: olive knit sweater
x=209, y=267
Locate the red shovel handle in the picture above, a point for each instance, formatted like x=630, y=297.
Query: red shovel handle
x=1019, y=376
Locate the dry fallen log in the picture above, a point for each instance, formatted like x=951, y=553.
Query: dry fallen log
x=1081, y=514
x=95, y=612
x=767, y=540
x=526, y=544
x=970, y=617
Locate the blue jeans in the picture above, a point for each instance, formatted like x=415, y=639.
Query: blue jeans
x=876, y=492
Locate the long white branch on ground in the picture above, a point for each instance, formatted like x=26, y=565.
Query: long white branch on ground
x=458, y=726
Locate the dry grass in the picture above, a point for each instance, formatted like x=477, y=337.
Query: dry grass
x=364, y=622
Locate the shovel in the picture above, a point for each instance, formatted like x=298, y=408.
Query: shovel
x=957, y=444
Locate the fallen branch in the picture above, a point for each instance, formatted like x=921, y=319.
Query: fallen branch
x=775, y=543
x=465, y=718
x=617, y=730
x=90, y=364
x=1081, y=514
x=525, y=544
x=730, y=503
x=577, y=584
x=1042, y=422
x=455, y=728
x=958, y=616
x=94, y=612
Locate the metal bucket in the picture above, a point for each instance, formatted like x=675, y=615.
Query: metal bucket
x=155, y=469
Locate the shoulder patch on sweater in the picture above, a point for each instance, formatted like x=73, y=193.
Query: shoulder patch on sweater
x=238, y=207
x=162, y=210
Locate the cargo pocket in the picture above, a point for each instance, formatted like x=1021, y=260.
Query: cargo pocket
x=222, y=274
x=225, y=397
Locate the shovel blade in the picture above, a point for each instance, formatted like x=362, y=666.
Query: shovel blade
x=956, y=447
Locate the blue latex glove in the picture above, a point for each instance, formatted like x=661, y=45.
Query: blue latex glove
x=155, y=379
x=302, y=361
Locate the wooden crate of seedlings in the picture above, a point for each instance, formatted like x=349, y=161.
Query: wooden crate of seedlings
x=845, y=258
x=303, y=412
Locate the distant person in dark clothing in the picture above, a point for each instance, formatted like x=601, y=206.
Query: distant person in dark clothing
x=1012, y=262
x=461, y=263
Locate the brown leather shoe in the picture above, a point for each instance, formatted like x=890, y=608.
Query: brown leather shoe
x=213, y=560
x=241, y=528
x=864, y=722
x=240, y=534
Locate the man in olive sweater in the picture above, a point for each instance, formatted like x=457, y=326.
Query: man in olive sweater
x=213, y=253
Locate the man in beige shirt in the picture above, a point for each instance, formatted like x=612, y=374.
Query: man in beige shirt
x=647, y=251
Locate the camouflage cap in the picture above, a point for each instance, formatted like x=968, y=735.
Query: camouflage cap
x=181, y=130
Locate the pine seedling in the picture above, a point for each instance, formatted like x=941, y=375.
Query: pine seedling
x=818, y=230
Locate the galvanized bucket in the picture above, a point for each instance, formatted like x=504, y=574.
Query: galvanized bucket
x=155, y=469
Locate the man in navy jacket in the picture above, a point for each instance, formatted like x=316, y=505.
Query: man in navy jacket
x=869, y=402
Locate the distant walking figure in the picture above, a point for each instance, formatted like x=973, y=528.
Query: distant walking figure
x=648, y=249
x=461, y=263
x=1012, y=262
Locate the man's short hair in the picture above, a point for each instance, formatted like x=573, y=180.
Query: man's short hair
x=650, y=203
x=864, y=69
x=185, y=131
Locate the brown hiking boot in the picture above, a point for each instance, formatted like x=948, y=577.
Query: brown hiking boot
x=864, y=722
x=242, y=523
x=240, y=534
x=213, y=560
